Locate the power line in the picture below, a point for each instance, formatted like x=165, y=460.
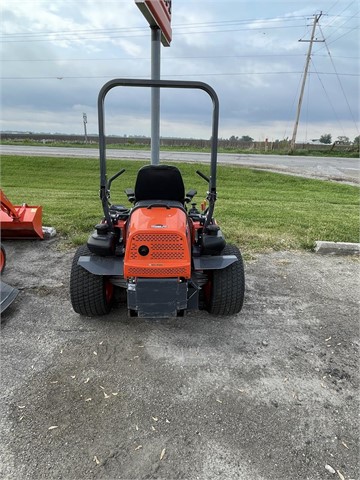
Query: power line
x=209, y=74
x=75, y=32
x=341, y=86
x=110, y=37
x=292, y=105
x=333, y=5
x=124, y=29
x=339, y=15
x=339, y=26
x=116, y=32
x=327, y=96
x=338, y=38
x=135, y=59
x=251, y=22
x=144, y=29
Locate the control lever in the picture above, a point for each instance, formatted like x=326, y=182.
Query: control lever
x=202, y=175
x=190, y=195
x=114, y=177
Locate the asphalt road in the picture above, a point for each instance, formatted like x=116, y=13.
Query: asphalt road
x=269, y=394
x=327, y=168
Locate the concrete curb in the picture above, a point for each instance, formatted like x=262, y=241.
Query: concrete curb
x=337, y=248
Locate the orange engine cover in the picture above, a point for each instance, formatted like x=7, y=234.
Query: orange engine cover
x=158, y=244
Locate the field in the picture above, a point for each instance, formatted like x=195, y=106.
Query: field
x=188, y=145
x=259, y=211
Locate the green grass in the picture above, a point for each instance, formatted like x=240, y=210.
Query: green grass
x=259, y=211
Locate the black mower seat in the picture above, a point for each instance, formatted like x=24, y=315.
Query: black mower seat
x=159, y=182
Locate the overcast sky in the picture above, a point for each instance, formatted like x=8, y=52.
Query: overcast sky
x=56, y=56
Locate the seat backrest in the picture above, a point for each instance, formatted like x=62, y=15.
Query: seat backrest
x=159, y=182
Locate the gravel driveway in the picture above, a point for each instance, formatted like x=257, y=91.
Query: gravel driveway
x=269, y=394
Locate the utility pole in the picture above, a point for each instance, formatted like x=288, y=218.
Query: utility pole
x=85, y=122
x=312, y=40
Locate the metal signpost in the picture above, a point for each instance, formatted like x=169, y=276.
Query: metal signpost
x=158, y=15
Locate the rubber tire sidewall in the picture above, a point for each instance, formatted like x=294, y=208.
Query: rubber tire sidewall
x=227, y=286
x=88, y=291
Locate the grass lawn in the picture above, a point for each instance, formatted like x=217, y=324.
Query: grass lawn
x=259, y=211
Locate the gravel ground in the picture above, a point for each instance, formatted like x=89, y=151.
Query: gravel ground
x=271, y=393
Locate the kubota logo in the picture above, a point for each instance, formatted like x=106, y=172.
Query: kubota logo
x=158, y=225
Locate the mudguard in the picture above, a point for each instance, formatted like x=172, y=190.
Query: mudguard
x=213, y=262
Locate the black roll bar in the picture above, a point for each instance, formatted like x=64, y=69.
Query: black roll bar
x=125, y=82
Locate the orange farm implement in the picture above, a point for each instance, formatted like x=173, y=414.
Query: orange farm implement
x=17, y=222
x=20, y=221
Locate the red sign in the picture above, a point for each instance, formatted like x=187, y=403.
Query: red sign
x=158, y=14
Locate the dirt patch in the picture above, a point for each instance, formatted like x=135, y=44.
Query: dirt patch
x=271, y=393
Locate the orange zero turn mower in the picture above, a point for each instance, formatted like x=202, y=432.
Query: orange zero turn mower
x=166, y=255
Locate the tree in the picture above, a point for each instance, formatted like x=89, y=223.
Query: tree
x=342, y=140
x=326, y=138
x=246, y=138
x=357, y=141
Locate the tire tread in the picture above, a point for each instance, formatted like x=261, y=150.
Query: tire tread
x=87, y=290
x=228, y=286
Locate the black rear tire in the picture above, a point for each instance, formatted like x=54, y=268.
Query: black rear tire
x=90, y=294
x=224, y=293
